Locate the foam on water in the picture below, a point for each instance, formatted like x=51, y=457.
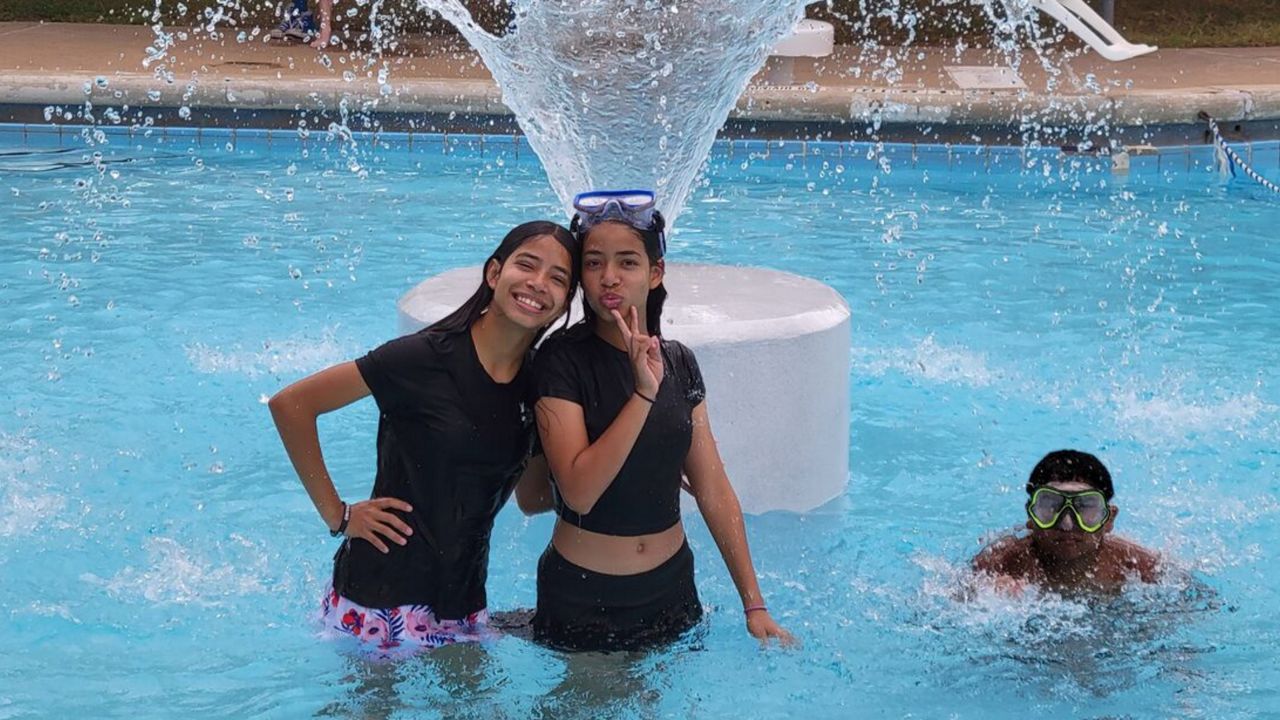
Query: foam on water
x=1171, y=411
x=1086, y=642
x=176, y=575
x=27, y=504
x=292, y=355
x=928, y=360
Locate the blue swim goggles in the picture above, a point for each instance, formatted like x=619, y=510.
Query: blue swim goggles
x=633, y=207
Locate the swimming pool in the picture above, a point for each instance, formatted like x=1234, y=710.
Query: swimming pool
x=159, y=559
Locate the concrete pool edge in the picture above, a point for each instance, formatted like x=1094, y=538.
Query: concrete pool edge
x=442, y=86
x=735, y=129
x=766, y=112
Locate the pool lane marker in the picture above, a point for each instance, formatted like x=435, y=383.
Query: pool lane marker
x=1229, y=159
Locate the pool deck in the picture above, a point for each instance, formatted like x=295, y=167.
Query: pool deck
x=64, y=65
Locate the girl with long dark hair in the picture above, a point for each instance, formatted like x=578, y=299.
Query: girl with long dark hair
x=622, y=415
x=454, y=436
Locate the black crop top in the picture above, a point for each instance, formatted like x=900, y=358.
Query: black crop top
x=578, y=366
x=452, y=443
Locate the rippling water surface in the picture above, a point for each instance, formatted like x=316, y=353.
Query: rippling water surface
x=158, y=557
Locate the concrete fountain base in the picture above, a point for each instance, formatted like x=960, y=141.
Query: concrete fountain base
x=774, y=351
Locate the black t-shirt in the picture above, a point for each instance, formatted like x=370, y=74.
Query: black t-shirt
x=452, y=443
x=578, y=366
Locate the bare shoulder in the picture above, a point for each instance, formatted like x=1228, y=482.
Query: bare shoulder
x=1007, y=555
x=1132, y=557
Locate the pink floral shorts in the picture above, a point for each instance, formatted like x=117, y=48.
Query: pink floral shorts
x=398, y=631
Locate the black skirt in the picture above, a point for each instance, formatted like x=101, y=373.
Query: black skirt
x=580, y=609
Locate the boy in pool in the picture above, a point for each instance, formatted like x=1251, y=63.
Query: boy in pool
x=1070, y=546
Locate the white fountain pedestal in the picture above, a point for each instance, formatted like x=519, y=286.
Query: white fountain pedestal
x=774, y=352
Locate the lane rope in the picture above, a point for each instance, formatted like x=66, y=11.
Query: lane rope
x=1230, y=159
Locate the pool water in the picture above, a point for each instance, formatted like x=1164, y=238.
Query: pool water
x=159, y=559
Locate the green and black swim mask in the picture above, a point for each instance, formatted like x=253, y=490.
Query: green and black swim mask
x=1088, y=507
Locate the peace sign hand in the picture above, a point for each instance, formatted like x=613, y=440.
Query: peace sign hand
x=646, y=357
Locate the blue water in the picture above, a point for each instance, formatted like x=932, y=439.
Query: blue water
x=159, y=559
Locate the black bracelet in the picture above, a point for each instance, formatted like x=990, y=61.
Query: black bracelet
x=346, y=518
x=644, y=397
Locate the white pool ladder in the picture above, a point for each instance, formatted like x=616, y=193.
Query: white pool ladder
x=1087, y=25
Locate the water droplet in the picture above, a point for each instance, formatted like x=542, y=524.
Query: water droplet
x=184, y=112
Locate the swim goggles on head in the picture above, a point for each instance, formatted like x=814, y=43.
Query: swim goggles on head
x=1089, y=508
x=633, y=207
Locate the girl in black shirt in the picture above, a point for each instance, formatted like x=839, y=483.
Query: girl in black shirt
x=621, y=415
x=454, y=435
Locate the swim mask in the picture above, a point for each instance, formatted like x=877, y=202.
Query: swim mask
x=635, y=208
x=1089, y=507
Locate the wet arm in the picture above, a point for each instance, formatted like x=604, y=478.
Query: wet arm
x=585, y=470
x=533, y=491
x=719, y=506
x=295, y=410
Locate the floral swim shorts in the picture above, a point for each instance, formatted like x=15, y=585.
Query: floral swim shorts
x=398, y=631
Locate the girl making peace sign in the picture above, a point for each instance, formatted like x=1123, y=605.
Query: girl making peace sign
x=622, y=415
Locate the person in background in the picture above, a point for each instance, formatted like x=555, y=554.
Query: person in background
x=1070, y=546
x=296, y=25
x=324, y=31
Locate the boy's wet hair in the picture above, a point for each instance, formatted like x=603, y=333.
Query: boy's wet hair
x=1064, y=466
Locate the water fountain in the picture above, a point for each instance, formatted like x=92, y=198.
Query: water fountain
x=631, y=93
x=622, y=93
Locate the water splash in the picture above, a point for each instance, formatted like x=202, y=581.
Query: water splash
x=27, y=505
x=626, y=93
x=930, y=360
x=277, y=357
x=175, y=575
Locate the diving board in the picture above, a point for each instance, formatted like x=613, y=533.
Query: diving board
x=1087, y=25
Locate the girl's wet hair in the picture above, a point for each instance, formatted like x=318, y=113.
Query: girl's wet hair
x=653, y=248
x=471, y=310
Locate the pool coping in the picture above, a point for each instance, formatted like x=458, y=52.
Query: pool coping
x=258, y=84
x=759, y=102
